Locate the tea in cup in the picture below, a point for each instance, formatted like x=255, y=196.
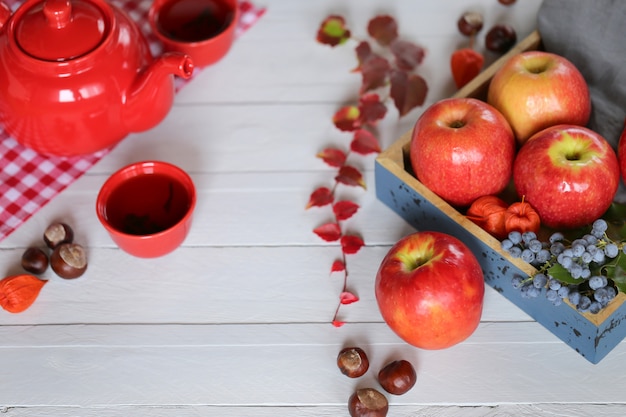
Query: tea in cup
x=202, y=29
x=147, y=207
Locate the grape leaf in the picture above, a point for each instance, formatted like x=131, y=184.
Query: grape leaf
x=407, y=91
x=338, y=266
x=345, y=209
x=346, y=297
x=351, y=244
x=320, y=197
x=559, y=273
x=383, y=29
x=333, y=157
x=371, y=109
x=363, y=53
x=465, y=64
x=349, y=175
x=333, y=31
x=616, y=270
x=374, y=73
x=408, y=55
x=619, y=277
x=330, y=232
x=347, y=119
x=364, y=142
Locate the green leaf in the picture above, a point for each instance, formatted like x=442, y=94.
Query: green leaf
x=619, y=278
x=559, y=273
x=616, y=270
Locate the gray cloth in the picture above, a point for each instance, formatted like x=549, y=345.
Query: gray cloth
x=592, y=34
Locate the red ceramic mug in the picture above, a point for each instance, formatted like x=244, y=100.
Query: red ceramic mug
x=147, y=207
x=202, y=29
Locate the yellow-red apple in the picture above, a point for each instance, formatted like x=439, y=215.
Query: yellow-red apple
x=430, y=290
x=462, y=149
x=621, y=153
x=536, y=89
x=568, y=174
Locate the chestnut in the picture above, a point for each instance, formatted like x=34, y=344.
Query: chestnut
x=397, y=377
x=35, y=261
x=368, y=402
x=470, y=23
x=352, y=362
x=69, y=260
x=58, y=233
x=500, y=38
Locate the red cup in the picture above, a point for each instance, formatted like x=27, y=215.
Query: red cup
x=202, y=29
x=147, y=208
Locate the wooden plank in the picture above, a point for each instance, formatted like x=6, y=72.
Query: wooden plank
x=199, y=285
x=496, y=410
x=288, y=365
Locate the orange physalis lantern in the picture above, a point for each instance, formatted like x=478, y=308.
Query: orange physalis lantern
x=521, y=217
x=488, y=212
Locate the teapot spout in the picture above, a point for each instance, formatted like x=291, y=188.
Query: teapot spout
x=152, y=94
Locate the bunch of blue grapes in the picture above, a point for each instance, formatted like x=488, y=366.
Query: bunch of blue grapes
x=580, y=258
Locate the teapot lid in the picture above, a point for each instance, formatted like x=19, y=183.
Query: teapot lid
x=61, y=30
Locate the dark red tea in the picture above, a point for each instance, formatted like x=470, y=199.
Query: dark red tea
x=147, y=204
x=194, y=20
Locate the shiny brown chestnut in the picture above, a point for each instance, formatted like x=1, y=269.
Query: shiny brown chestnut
x=368, y=402
x=397, y=377
x=35, y=260
x=58, y=233
x=470, y=23
x=352, y=362
x=500, y=38
x=69, y=260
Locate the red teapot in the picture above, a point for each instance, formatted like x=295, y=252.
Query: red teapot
x=77, y=76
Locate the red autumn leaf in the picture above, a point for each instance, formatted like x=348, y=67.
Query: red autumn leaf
x=333, y=31
x=333, y=157
x=338, y=323
x=345, y=209
x=347, y=297
x=371, y=109
x=383, y=29
x=407, y=91
x=408, y=55
x=364, y=142
x=363, y=53
x=320, y=197
x=374, y=73
x=465, y=64
x=351, y=244
x=347, y=119
x=338, y=266
x=349, y=175
x=330, y=232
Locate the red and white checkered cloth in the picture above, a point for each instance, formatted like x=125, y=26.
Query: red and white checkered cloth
x=29, y=180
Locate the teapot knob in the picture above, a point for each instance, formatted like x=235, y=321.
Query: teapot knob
x=58, y=12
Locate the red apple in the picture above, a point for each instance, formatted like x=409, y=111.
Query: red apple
x=568, y=174
x=462, y=149
x=621, y=153
x=430, y=290
x=537, y=89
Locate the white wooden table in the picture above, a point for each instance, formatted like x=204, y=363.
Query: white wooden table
x=237, y=321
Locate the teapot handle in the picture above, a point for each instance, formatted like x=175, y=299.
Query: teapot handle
x=5, y=14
